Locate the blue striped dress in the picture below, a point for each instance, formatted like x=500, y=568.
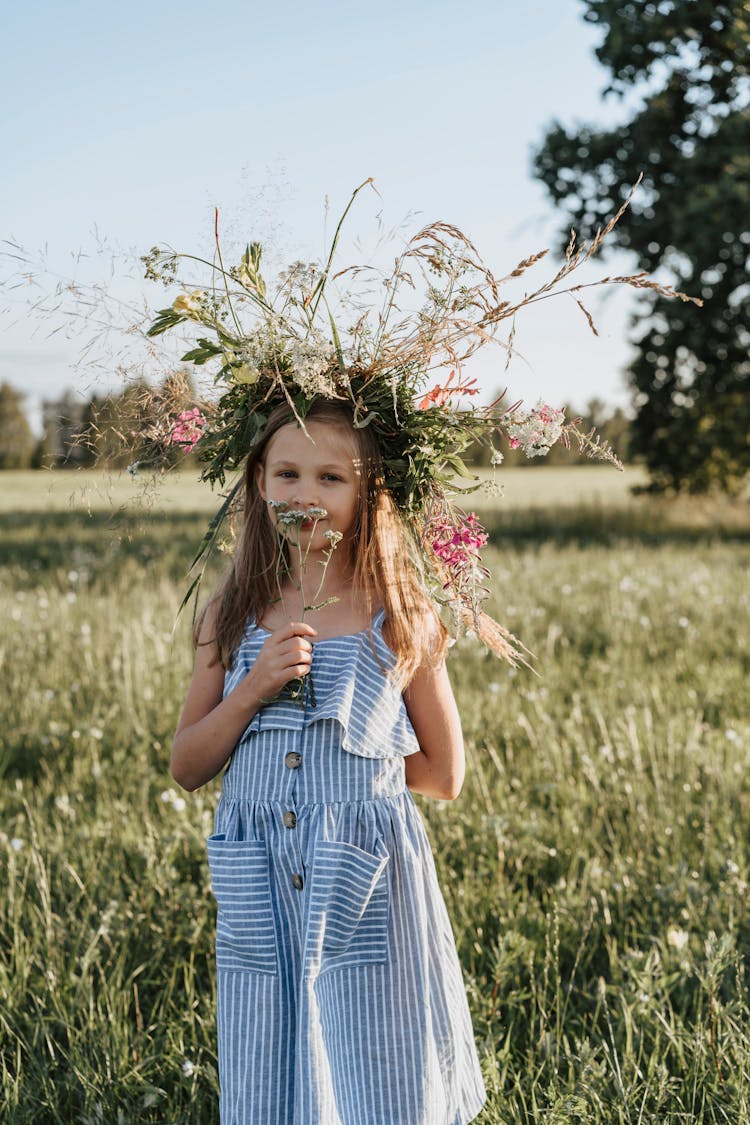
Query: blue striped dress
x=340, y=999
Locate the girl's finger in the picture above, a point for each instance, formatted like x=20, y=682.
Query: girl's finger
x=301, y=629
x=295, y=646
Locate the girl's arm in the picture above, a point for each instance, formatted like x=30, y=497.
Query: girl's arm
x=210, y=727
x=437, y=769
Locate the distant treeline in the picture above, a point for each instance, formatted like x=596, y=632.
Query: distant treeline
x=102, y=430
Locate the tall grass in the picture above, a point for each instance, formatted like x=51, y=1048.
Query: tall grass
x=595, y=865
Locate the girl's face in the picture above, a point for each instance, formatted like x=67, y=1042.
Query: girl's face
x=313, y=474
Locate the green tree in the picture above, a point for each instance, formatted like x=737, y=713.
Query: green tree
x=690, y=138
x=17, y=442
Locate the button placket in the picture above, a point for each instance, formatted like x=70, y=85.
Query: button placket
x=292, y=761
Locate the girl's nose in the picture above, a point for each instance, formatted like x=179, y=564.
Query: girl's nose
x=304, y=497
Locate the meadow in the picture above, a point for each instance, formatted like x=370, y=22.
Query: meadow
x=596, y=864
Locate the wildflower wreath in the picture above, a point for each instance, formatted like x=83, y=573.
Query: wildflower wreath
x=306, y=339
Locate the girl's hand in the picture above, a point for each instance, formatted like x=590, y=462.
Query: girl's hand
x=285, y=655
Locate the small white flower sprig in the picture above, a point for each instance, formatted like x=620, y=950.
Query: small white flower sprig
x=289, y=523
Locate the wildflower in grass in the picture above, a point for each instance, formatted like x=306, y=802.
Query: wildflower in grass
x=169, y=797
x=63, y=805
x=678, y=939
x=537, y=431
x=188, y=429
x=188, y=1068
x=17, y=843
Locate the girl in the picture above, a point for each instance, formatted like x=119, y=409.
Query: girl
x=340, y=995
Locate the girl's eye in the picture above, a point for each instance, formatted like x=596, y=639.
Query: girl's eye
x=286, y=473
x=331, y=476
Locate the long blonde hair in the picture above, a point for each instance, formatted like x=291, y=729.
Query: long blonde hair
x=382, y=561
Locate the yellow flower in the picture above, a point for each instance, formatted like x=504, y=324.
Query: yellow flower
x=189, y=304
x=246, y=374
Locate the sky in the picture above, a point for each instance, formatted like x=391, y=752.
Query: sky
x=130, y=123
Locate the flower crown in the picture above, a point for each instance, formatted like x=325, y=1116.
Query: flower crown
x=308, y=340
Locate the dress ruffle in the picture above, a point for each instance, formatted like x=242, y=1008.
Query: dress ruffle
x=352, y=688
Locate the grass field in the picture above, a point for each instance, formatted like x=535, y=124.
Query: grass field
x=596, y=865
x=65, y=490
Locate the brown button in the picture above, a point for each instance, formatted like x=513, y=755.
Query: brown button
x=297, y=881
x=293, y=760
x=290, y=820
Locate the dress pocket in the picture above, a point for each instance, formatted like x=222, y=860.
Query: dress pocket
x=350, y=904
x=245, y=931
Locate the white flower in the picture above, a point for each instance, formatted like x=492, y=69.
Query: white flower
x=16, y=843
x=302, y=276
x=497, y=457
x=536, y=431
x=678, y=939
x=188, y=1068
x=169, y=797
x=312, y=361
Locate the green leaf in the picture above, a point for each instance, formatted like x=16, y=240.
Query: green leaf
x=456, y=463
x=165, y=319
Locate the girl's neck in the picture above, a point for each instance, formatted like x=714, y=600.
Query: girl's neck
x=346, y=612
x=311, y=583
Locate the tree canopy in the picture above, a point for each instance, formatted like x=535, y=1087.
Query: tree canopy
x=690, y=139
x=16, y=439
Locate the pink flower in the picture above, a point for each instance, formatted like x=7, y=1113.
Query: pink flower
x=188, y=429
x=457, y=544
